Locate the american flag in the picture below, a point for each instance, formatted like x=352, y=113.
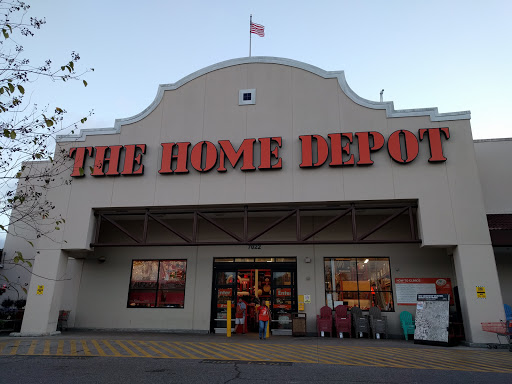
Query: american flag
x=258, y=29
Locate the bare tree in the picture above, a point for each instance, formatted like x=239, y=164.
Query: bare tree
x=27, y=135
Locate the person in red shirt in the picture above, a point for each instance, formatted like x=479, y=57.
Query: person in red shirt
x=263, y=318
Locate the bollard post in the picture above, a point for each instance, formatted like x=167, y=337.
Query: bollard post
x=228, y=319
x=269, y=318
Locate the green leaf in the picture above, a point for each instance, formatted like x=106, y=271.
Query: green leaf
x=63, y=68
x=57, y=228
x=28, y=263
x=13, y=135
x=6, y=35
x=92, y=169
x=31, y=243
x=85, y=83
x=21, y=89
x=24, y=290
x=83, y=120
x=8, y=26
x=81, y=170
x=11, y=87
x=48, y=122
x=2, y=227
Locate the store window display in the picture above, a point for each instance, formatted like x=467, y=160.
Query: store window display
x=358, y=282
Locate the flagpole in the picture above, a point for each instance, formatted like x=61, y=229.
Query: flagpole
x=250, y=35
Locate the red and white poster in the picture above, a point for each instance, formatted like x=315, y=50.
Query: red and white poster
x=407, y=289
x=284, y=292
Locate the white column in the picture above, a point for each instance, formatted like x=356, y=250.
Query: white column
x=42, y=310
x=475, y=266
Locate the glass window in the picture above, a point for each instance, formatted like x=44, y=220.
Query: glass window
x=358, y=282
x=157, y=283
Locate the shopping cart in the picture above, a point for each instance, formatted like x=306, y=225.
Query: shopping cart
x=500, y=329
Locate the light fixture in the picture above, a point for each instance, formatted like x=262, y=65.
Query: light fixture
x=367, y=260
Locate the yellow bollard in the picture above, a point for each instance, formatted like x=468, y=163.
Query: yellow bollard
x=228, y=319
x=269, y=318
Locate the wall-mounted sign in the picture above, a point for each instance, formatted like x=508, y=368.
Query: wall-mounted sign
x=301, y=302
x=340, y=149
x=480, y=292
x=407, y=289
x=40, y=289
x=307, y=299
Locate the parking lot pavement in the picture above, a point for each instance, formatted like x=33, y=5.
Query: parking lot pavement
x=276, y=350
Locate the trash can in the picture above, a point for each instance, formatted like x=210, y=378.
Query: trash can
x=299, y=324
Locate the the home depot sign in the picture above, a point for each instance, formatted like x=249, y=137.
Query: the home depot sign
x=402, y=147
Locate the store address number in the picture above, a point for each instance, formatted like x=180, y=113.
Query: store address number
x=255, y=246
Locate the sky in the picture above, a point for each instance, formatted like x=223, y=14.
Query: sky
x=454, y=55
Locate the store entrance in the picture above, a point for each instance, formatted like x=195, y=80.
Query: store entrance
x=271, y=282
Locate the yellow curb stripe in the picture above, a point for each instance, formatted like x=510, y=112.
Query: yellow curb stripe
x=212, y=350
x=159, y=353
x=268, y=354
x=114, y=351
x=60, y=348
x=314, y=354
x=231, y=355
x=432, y=360
x=173, y=354
x=130, y=352
x=100, y=350
x=72, y=347
x=85, y=348
x=202, y=355
x=301, y=353
x=239, y=352
x=456, y=363
x=46, y=351
x=14, y=349
x=32, y=348
x=2, y=346
x=181, y=350
x=144, y=353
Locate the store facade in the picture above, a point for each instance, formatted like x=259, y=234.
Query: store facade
x=264, y=178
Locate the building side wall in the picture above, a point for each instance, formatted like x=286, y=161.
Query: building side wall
x=494, y=158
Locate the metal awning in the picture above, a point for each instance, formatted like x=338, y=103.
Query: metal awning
x=185, y=226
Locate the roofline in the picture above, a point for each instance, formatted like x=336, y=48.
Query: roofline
x=493, y=140
x=388, y=106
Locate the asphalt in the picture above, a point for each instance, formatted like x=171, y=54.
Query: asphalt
x=276, y=350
